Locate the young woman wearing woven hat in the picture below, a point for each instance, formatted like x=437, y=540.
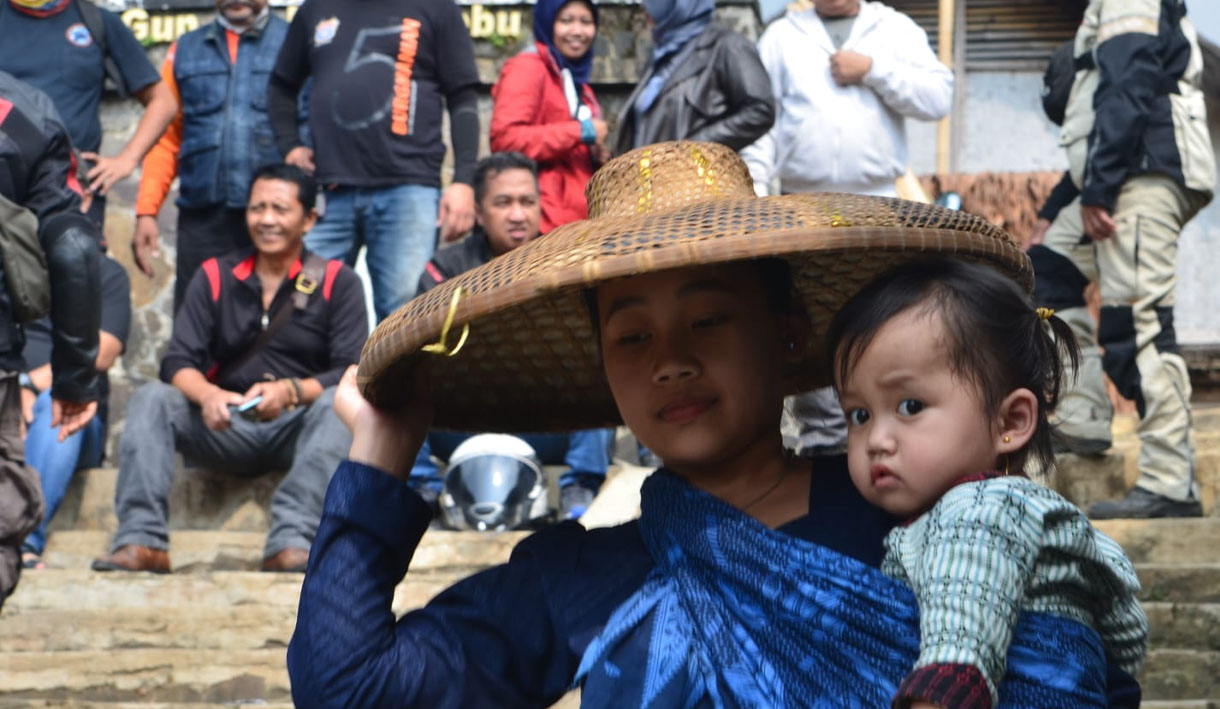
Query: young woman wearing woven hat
x=686, y=308
x=544, y=108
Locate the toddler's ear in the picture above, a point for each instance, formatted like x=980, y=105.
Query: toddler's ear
x=1018, y=419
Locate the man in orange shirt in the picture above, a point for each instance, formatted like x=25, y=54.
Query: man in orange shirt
x=222, y=134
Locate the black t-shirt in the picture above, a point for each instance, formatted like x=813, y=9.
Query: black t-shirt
x=116, y=320
x=58, y=55
x=380, y=70
x=319, y=341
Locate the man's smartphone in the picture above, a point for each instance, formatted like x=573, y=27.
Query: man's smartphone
x=246, y=410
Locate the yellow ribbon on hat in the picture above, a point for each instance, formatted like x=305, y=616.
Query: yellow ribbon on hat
x=440, y=347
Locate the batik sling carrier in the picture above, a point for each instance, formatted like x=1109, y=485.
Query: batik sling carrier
x=739, y=615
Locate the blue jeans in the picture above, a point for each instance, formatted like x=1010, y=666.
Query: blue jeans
x=584, y=452
x=55, y=461
x=397, y=224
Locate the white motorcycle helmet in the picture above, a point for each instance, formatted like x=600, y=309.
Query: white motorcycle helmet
x=494, y=482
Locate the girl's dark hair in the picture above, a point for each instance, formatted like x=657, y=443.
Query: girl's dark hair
x=995, y=338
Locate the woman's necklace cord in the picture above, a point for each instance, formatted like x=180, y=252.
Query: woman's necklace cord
x=783, y=474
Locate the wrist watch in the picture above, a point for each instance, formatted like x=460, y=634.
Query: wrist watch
x=26, y=383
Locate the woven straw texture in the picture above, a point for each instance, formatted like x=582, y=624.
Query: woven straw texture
x=530, y=362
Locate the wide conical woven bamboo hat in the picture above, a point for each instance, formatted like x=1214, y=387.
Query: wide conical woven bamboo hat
x=529, y=360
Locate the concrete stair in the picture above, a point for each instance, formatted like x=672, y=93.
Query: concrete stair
x=216, y=630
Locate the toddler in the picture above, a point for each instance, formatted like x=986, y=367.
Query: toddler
x=946, y=374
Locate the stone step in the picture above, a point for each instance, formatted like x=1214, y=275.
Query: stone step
x=1183, y=626
x=88, y=592
x=236, y=676
x=1184, y=704
x=198, y=500
x=204, y=550
x=1166, y=541
x=247, y=627
x=1185, y=583
x=570, y=701
x=149, y=675
x=1181, y=675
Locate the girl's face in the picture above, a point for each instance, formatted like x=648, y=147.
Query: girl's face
x=574, y=30
x=914, y=427
x=695, y=360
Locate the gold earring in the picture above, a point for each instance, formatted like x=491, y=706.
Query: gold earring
x=1007, y=439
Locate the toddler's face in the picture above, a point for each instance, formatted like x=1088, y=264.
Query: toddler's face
x=914, y=427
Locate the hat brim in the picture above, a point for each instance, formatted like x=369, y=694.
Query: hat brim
x=531, y=362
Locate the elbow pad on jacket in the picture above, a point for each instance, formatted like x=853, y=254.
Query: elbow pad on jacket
x=464, y=134
x=73, y=262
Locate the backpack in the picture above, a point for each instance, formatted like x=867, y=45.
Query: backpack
x=25, y=265
x=94, y=22
x=1057, y=82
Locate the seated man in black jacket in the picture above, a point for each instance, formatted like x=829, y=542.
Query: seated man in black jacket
x=506, y=216
x=507, y=213
x=259, y=343
x=38, y=173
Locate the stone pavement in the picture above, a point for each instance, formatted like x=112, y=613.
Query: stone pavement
x=216, y=630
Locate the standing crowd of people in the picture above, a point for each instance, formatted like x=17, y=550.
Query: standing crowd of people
x=296, y=145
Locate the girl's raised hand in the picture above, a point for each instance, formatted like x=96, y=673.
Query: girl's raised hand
x=384, y=439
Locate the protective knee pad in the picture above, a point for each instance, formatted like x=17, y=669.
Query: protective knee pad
x=1058, y=283
x=1116, y=335
x=1167, y=339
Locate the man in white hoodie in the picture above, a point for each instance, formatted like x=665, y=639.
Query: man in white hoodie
x=846, y=75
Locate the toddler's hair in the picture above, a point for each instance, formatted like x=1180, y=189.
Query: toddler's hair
x=995, y=339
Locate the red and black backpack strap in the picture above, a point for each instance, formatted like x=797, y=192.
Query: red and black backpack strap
x=313, y=272
x=211, y=269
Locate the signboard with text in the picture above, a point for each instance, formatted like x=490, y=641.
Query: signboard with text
x=498, y=22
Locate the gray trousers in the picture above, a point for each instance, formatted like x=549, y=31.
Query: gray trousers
x=309, y=442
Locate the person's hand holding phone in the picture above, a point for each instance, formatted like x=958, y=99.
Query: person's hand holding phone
x=273, y=398
x=215, y=408
x=249, y=408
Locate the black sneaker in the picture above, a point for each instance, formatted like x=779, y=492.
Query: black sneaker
x=1065, y=443
x=1142, y=504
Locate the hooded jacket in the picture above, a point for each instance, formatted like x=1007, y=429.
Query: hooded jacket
x=530, y=115
x=845, y=138
x=1135, y=106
